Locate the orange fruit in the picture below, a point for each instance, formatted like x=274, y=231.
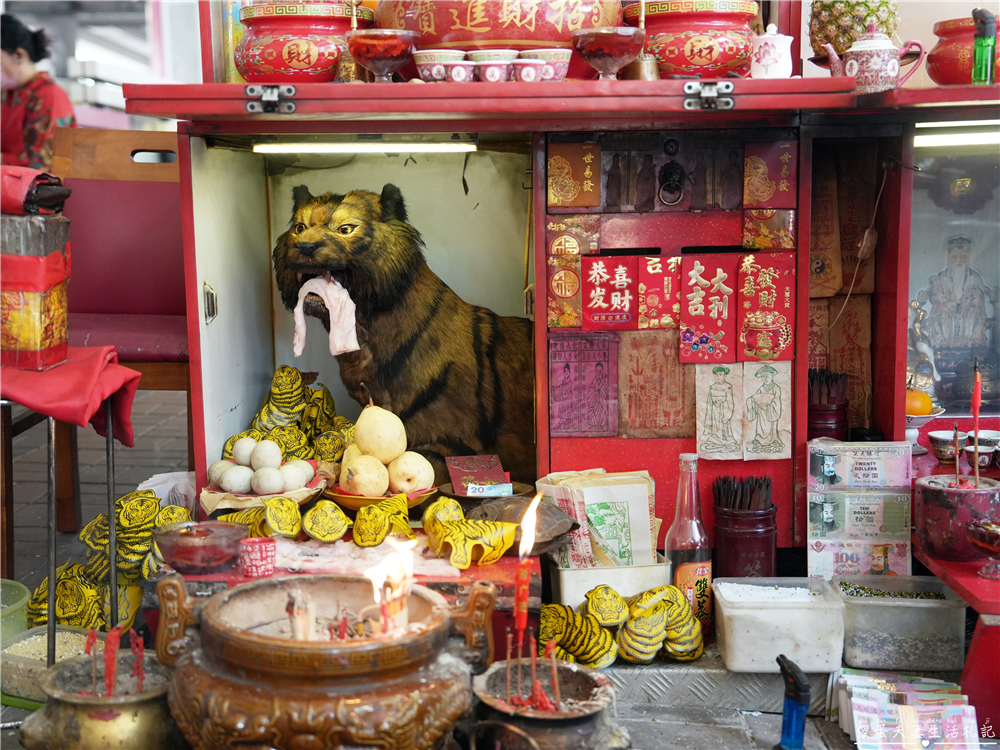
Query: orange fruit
x=918, y=403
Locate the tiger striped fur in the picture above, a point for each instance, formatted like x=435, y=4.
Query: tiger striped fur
x=459, y=376
x=580, y=635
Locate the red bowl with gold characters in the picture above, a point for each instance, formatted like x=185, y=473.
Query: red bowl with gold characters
x=294, y=42
x=520, y=25
x=950, y=62
x=702, y=38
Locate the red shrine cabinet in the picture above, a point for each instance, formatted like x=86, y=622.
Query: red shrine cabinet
x=502, y=217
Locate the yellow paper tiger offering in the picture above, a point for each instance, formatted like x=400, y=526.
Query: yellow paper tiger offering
x=375, y=522
x=326, y=522
x=442, y=509
x=285, y=403
x=580, y=635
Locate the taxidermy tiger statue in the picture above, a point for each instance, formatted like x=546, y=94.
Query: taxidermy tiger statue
x=459, y=376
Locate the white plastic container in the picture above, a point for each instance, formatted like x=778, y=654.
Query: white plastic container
x=902, y=634
x=19, y=675
x=570, y=585
x=751, y=634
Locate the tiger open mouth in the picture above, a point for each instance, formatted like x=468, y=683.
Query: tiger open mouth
x=340, y=276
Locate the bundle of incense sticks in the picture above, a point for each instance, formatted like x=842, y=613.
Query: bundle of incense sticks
x=750, y=493
x=826, y=387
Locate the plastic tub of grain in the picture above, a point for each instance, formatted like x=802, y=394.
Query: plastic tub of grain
x=901, y=622
x=14, y=598
x=802, y=618
x=23, y=657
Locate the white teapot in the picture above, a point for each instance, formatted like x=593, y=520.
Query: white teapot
x=772, y=55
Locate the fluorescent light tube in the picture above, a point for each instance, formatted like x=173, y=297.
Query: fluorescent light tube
x=364, y=148
x=940, y=140
x=959, y=124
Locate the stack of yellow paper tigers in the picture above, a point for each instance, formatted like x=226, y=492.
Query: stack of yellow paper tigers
x=658, y=620
x=303, y=421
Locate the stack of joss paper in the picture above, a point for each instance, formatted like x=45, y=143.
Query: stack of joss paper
x=616, y=513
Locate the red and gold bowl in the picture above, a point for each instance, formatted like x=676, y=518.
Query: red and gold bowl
x=950, y=62
x=704, y=38
x=294, y=42
x=506, y=24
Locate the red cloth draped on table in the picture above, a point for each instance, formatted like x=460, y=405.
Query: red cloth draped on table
x=75, y=391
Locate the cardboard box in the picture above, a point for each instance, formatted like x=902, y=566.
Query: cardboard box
x=570, y=585
x=34, y=273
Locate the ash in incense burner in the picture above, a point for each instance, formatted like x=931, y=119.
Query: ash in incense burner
x=307, y=660
x=581, y=721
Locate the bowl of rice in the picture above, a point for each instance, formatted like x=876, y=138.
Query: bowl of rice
x=24, y=657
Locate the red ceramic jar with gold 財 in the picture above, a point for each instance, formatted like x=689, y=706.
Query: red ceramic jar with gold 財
x=520, y=25
x=701, y=38
x=294, y=42
x=950, y=62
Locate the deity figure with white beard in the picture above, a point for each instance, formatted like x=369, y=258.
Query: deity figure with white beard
x=959, y=316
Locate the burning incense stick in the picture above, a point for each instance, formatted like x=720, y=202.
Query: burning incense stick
x=91, y=651
x=534, y=664
x=550, y=651
x=958, y=453
x=510, y=642
x=977, y=401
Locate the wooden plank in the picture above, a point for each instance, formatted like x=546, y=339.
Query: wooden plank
x=91, y=154
x=161, y=376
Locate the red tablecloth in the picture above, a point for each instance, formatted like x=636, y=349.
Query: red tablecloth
x=75, y=391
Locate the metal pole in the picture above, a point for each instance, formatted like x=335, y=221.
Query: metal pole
x=109, y=425
x=51, y=624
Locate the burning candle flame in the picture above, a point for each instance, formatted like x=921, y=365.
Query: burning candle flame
x=396, y=568
x=528, y=528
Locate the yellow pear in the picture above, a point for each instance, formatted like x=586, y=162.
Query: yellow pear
x=350, y=454
x=380, y=433
x=367, y=476
x=410, y=472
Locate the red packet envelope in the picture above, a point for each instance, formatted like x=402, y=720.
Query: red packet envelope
x=766, y=306
x=659, y=292
x=770, y=174
x=574, y=174
x=564, y=292
x=610, y=293
x=478, y=471
x=573, y=234
x=708, y=308
x=769, y=229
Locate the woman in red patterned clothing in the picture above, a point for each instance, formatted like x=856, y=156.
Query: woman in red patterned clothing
x=33, y=104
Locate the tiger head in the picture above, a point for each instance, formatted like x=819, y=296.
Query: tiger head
x=360, y=239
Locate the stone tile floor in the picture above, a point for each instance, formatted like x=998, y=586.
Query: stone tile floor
x=160, y=423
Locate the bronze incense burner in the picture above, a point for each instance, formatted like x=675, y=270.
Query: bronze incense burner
x=243, y=681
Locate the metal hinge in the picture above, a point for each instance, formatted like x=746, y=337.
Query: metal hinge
x=705, y=95
x=269, y=99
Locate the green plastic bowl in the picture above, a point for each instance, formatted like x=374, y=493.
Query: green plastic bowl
x=14, y=619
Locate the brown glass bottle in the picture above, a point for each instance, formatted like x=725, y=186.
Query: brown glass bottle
x=687, y=545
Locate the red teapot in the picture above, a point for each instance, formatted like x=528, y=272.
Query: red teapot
x=873, y=60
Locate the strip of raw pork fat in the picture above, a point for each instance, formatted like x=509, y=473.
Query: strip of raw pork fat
x=343, y=327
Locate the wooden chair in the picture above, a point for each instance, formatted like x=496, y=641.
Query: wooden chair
x=127, y=285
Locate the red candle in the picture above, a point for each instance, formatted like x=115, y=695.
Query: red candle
x=111, y=643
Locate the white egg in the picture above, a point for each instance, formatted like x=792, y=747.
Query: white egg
x=216, y=470
x=294, y=477
x=307, y=469
x=242, y=449
x=267, y=481
x=237, y=480
x=266, y=454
